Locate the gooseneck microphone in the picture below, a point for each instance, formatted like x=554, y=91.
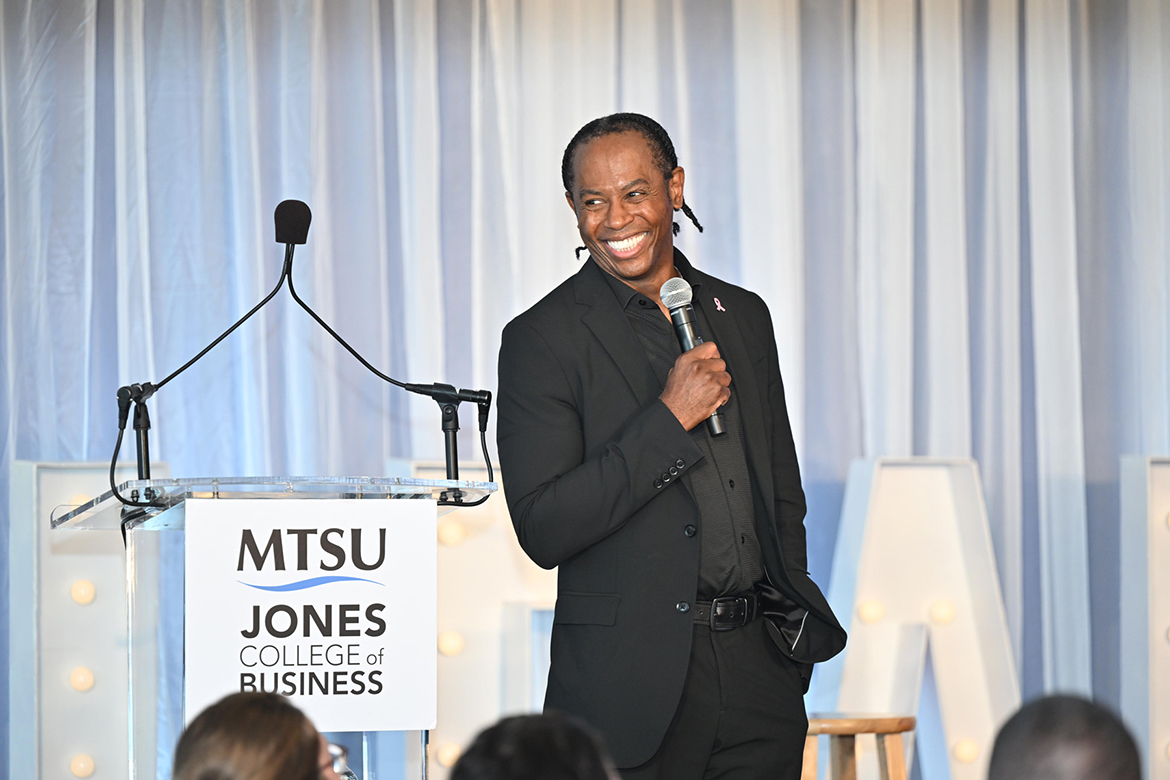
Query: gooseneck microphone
x=676, y=296
x=292, y=227
x=292, y=219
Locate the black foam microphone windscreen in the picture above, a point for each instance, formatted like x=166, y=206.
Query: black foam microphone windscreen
x=292, y=222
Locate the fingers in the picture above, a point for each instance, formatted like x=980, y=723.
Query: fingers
x=718, y=369
x=697, y=385
x=724, y=394
x=705, y=351
x=715, y=366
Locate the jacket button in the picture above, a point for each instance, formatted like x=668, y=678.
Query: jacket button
x=658, y=483
x=673, y=471
x=680, y=464
x=689, y=530
x=682, y=606
x=665, y=478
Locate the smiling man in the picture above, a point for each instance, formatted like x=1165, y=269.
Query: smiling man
x=686, y=623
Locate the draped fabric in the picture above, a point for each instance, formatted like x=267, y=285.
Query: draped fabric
x=958, y=212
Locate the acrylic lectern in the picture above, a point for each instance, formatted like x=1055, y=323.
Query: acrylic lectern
x=321, y=589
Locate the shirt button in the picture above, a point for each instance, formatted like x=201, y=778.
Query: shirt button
x=689, y=530
x=657, y=483
x=673, y=471
x=680, y=464
x=683, y=606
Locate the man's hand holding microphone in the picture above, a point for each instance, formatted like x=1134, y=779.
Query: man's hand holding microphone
x=698, y=384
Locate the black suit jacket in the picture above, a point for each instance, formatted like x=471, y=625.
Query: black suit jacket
x=586, y=451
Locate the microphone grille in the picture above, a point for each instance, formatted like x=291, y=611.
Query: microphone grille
x=675, y=292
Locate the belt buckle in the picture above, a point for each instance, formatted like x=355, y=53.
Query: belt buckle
x=738, y=607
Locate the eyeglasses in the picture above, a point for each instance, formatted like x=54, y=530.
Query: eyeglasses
x=339, y=756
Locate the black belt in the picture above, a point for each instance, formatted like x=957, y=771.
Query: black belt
x=728, y=612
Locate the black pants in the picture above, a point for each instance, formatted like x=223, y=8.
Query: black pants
x=741, y=715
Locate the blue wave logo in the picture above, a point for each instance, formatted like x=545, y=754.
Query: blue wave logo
x=312, y=582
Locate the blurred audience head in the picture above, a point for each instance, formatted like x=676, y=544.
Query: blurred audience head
x=536, y=747
x=252, y=736
x=1064, y=738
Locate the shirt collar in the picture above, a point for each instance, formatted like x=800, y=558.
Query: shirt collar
x=627, y=295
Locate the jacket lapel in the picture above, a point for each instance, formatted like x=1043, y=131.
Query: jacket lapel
x=608, y=323
x=729, y=337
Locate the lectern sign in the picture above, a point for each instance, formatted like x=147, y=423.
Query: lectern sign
x=330, y=602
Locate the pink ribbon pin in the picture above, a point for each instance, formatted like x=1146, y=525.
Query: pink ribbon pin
x=719, y=306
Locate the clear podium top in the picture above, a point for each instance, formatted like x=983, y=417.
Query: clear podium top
x=105, y=511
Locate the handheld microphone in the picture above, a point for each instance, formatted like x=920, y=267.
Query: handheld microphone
x=676, y=296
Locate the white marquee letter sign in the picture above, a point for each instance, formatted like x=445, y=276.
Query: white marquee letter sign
x=1145, y=608
x=915, y=582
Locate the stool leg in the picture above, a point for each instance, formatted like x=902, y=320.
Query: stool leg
x=808, y=770
x=891, y=757
x=843, y=757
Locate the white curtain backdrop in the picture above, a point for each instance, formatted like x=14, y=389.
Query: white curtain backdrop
x=957, y=210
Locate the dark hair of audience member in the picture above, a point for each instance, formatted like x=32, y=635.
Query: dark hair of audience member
x=249, y=736
x=1064, y=738
x=535, y=747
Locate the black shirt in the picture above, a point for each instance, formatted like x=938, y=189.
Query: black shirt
x=730, y=561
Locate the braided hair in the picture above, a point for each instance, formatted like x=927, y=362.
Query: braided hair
x=656, y=136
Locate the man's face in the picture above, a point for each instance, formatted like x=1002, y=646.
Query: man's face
x=625, y=209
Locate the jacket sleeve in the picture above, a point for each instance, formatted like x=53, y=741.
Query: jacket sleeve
x=562, y=498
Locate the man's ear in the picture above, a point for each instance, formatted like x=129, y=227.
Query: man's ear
x=677, y=177
x=572, y=205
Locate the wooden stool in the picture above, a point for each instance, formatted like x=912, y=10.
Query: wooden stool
x=843, y=729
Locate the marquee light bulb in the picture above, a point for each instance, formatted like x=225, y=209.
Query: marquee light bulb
x=451, y=643
x=82, y=592
x=871, y=611
x=942, y=612
x=449, y=753
x=81, y=765
x=966, y=751
x=451, y=533
x=81, y=679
